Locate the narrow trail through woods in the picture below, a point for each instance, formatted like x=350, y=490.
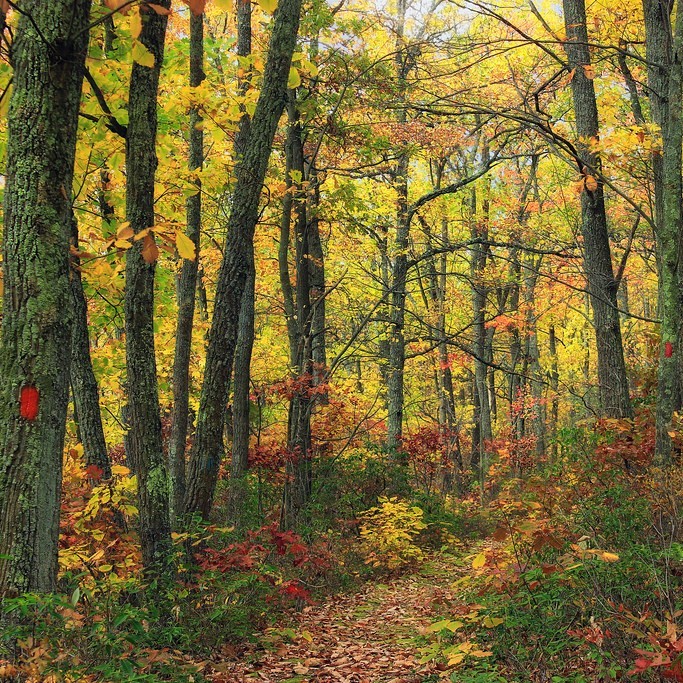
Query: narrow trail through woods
x=366, y=637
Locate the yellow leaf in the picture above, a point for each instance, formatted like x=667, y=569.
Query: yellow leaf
x=142, y=55
x=104, y=568
x=120, y=470
x=294, y=80
x=4, y=104
x=223, y=5
x=609, y=557
x=184, y=245
x=491, y=622
x=136, y=24
x=589, y=71
x=479, y=561
x=268, y=5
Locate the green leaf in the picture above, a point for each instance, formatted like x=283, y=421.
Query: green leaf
x=75, y=596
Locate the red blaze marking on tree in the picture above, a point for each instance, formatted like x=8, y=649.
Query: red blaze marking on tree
x=668, y=350
x=28, y=402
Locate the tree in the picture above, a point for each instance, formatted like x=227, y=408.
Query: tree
x=602, y=285
x=187, y=282
x=250, y=172
x=664, y=47
x=84, y=388
x=144, y=437
x=48, y=59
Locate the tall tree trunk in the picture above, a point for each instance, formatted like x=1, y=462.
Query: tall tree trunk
x=534, y=366
x=144, y=436
x=207, y=449
x=479, y=298
x=665, y=78
x=670, y=247
x=37, y=301
x=612, y=378
x=397, y=345
x=554, y=388
x=187, y=285
x=245, y=333
x=84, y=388
x=298, y=485
x=396, y=358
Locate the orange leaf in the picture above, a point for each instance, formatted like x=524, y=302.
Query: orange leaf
x=150, y=251
x=196, y=6
x=159, y=9
x=118, y=4
x=591, y=183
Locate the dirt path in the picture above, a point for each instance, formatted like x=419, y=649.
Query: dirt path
x=367, y=637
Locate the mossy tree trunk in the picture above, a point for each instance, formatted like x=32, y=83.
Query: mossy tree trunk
x=664, y=48
x=207, y=450
x=48, y=57
x=144, y=437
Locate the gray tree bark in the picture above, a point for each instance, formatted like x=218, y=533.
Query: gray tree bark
x=612, y=379
x=84, y=388
x=187, y=285
x=145, y=447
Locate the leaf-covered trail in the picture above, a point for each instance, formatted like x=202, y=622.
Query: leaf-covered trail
x=367, y=637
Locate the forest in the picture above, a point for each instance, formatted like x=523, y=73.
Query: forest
x=341, y=342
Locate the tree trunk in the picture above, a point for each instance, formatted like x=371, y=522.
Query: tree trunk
x=665, y=79
x=37, y=301
x=245, y=334
x=479, y=297
x=612, y=379
x=84, y=389
x=534, y=366
x=298, y=484
x=554, y=388
x=144, y=437
x=250, y=172
x=187, y=285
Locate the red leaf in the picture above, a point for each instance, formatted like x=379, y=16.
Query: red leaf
x=668, y=350
x=29, y=401
x=94, y=472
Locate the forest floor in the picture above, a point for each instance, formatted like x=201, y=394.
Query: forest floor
x=371, y=636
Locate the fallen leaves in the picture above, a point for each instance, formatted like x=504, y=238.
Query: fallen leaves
x=361, y=638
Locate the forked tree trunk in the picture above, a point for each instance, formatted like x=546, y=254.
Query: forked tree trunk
x=207, y=451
